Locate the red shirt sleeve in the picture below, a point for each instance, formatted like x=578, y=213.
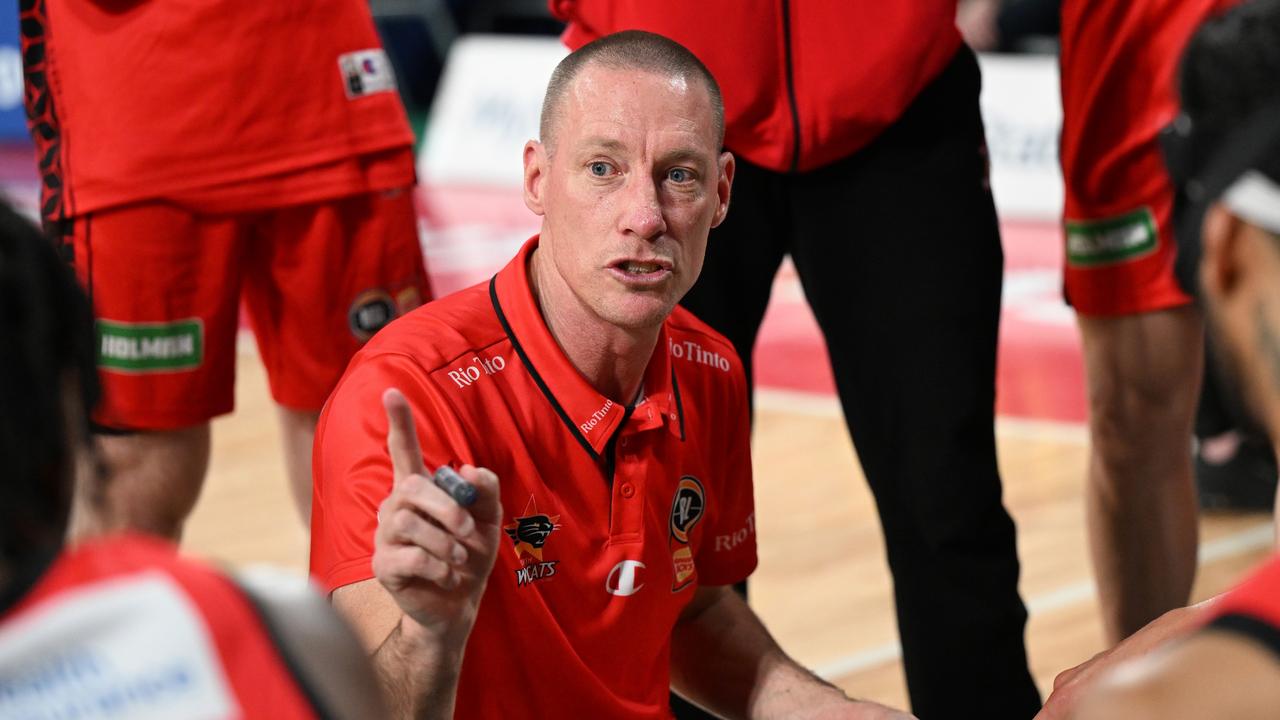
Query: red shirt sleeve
x=728, y=551
x=351, y=467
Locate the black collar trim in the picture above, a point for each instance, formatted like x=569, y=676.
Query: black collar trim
x=675, y=390
x=533, y=372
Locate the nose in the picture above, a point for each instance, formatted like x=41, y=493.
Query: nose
x=643, y=212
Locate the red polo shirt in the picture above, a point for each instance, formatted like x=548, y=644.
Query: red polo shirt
x=614, y=515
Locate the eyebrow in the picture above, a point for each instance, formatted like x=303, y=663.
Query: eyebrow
x=612, y=145
x=603, y=143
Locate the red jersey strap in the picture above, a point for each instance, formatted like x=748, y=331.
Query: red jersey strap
x=1253, y=608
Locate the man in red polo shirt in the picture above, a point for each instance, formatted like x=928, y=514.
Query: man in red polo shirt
x=616, y=423
x=861, y=155
x=195, y=155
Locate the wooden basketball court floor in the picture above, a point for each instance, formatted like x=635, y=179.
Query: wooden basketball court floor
x=822, y=586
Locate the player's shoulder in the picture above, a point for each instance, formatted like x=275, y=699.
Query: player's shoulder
x=698, y=349
x=440, y=331
x=117, y=557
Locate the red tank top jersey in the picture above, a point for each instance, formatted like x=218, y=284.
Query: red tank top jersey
x=123, y=627
x=1257, y=598
x=151, y=99
x=613, y=515
x=1119, y=62
x=805, y=82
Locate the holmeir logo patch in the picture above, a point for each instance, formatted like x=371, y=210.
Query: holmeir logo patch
x=365, y=72
x=1111, y=240
x=150, y=347
x=687, y=508
x=529, y=535
x=370, y=312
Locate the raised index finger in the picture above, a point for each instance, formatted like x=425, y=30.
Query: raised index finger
x=402, y=438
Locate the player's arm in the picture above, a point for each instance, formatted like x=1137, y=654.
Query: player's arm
x=1070, y=685
x=431, y=562
x=1215, y=674
x=724, y=659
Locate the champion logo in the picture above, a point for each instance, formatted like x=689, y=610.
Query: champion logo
x=624, y=578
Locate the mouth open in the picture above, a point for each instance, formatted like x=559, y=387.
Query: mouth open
x=632, y=267
x=641, y=272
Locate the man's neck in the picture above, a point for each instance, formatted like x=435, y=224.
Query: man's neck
x=611, y=358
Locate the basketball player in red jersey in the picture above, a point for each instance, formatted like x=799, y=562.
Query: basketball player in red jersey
x=1223, y=156
x=1137, y=324
x=194, y=155
x=121, y=626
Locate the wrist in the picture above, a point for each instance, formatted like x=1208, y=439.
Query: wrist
x=442, y=637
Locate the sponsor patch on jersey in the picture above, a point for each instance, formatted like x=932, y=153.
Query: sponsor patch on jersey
x=369, y=313
x=1112, y=240
x=133, y=647
x=365, y=72
x=150, y=347
x=529, y=533
x=687, y=508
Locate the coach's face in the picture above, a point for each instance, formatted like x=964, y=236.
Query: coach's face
x=629, y=184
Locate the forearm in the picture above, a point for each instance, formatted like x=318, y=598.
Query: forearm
x=724, y=659
x=418, y=673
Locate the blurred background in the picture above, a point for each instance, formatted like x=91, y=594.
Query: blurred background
x=472, y=74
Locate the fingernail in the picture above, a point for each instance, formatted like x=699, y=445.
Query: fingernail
x=459, y=555
x=467, y=526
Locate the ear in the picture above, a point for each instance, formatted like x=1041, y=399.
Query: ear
x=535, y=170
x=1221, y=261
x=724, y=184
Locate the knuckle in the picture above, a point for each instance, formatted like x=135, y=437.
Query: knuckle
x=402, y=524
x=451, y=516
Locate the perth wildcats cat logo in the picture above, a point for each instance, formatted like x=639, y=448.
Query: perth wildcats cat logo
x=529, y=534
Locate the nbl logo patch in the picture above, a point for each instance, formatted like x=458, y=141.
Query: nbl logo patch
x=365, y=72
x=687, y=508
x=369, y=312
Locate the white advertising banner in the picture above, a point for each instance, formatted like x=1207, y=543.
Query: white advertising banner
x=1022, y=110
x=486, y=108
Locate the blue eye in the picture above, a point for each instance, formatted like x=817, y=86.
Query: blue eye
x=680, y=175
x=599, y=169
